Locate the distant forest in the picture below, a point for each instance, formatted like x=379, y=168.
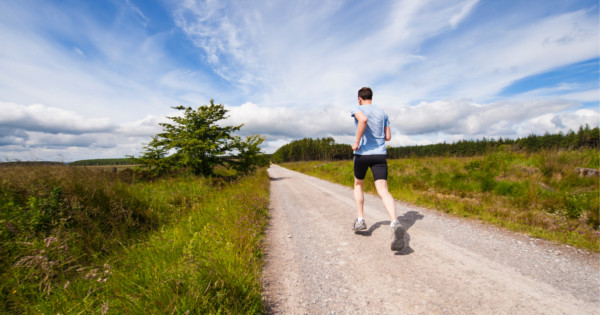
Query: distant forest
x=96, y=162
x=326, y=149
x=312, y=149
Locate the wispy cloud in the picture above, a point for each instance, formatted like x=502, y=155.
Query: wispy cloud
x=411, y=50
x=113, y=71
x=480, y=62
x=138, y=12
x=464, y=13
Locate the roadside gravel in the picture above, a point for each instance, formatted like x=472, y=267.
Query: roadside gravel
x=316, y=264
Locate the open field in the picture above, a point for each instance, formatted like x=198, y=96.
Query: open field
x=81, y=240
x=540, y=194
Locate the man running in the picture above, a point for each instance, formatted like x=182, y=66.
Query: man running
x=372, y=131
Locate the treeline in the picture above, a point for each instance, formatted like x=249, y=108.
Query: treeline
x=30, y=163
x=585, y=137
x=97, y=162
x=309, y=149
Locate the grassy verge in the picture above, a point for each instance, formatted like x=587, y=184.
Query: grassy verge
x=76, y=240
x=538, y=193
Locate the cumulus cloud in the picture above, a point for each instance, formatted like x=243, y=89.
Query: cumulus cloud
x=465, y=117
x=425, y=123
x=291, y=122
x=145, y=127
x=44, y=132
x=10, y=136
x=40, y=139
x=46, y=119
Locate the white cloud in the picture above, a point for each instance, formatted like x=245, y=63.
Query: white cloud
x=584, y=96
x=464, y=12
x=46, y=140
x=315, y=51
x=225, y=32
x=145, y=127
x=480, y=62
x=290, y=122
x=144, y=20
x=467, y=118
x=42, y=132
x=38, y=117
x=119, y=72
x=425, y=123
x=565, y=91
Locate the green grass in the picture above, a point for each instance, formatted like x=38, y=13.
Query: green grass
x=78, y=240
x=538, y=193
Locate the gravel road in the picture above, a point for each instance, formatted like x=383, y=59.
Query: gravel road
x=316, y=264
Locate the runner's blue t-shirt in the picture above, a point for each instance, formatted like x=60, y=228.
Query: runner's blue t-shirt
x=373, y=140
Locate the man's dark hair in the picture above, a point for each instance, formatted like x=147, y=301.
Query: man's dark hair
x=365, y=93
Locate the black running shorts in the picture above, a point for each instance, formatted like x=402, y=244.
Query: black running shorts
x=377, y=163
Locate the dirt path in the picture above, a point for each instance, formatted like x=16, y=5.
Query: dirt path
x=317, y=265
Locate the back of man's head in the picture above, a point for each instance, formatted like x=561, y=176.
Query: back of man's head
x=365, y=93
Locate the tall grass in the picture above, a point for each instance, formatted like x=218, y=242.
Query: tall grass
x=77, y=240
x=537, y=193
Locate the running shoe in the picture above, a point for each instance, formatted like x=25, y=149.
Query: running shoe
x=397, y=236
x=359, y=225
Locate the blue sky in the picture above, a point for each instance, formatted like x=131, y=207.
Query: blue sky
x=92, y=79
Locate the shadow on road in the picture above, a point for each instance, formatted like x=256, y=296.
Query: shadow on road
x=276, y=178
x=406, y=221
x=373, y=227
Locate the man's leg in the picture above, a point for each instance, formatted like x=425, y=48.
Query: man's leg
x=388, y=201
x=359, y=197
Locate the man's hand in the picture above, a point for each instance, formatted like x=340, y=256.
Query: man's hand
x=356, y=145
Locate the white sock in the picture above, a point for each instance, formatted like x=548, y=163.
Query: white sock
x=361, y=219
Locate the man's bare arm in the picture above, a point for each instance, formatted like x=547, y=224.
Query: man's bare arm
x=388, y=133
x=360, y=129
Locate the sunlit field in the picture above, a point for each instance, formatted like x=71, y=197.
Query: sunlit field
x=541, y=194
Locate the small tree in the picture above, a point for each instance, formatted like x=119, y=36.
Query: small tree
x=154, y=157
x=198, y=143
x=249, y=155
